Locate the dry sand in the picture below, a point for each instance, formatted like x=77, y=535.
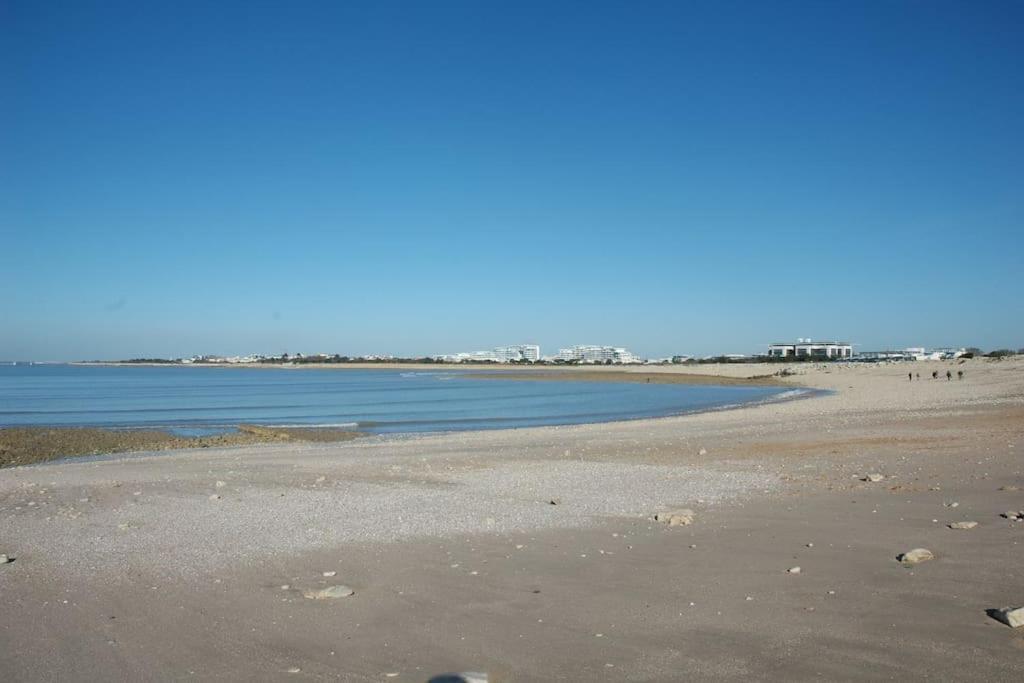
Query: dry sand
x=171, y=566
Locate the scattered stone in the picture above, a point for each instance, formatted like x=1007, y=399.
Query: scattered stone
x=1009, y=488
x=962, y=525
x=220, y=484
x=702, y=451
x=793, y=570
x=1010, y=514
x=952, y=505
x=1011, y=616
x=874, y=478
x=555, y=501
x=321, y=479
x=285, y=586
x=294, y=670
x=4, y=559
x=810, y=545
x=464, y=677
x=214, y=497
x=329, y=574
x=675, y=517
x=329, y=593
x=916, y=556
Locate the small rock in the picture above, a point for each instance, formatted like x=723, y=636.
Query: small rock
x=793, y=570
x=294, y=670
x=962, y=525
x=1011, y=616
x=874, y=477
x=810, y=545
x=1010, y=514
x=675, y=517
x=5, y=560
x=321, y=480
x=464, y=677
x=916, y=556
x=329, y=593
x=555, y=501
x=952, y=505
x=220, y=484
x=214, y=497
x=702, y=451
x=329, y=574
x=1009, y=488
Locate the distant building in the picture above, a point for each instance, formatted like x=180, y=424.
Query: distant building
x=503, y=354
x=584, y=353
x=805, y=349
x=521, y=352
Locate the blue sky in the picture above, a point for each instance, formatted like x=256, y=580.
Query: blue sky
x=414, y=178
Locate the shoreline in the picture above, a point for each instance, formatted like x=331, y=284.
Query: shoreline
x=34, y=444
x=28, y=445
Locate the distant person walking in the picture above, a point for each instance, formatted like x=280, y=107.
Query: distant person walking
x=935, y=374
x=910, y=377
x=959, y=374
x=949, y=375
x=918, y=375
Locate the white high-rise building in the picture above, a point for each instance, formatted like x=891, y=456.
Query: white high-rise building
x=520, y=352
x=502, y=354
x=586, y=353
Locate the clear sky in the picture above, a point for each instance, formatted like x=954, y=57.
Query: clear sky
x=427, y=177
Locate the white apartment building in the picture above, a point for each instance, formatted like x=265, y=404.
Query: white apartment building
x=585, y=353
x=520, y=352
x=808, y=349
x=502, y=354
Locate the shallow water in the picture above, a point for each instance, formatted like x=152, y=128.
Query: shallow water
x=202, y=400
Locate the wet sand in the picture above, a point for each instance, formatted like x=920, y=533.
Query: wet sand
x=172, y=566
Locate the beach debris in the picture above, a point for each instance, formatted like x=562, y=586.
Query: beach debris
x=810, y=545
x=702, y=451
x=555, y=501
x=329, y=593
x=464, y=677
x=214, y=497
x=874, y=477
x=952, y=505
x=793, y=570
x=681, y=517
x=1011, y=514
x=1011, y=616
x=916, y=556
x=4, y=559
x=962, y=525
x=329, y=574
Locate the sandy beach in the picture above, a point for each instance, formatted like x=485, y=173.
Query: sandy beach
x=533, y=555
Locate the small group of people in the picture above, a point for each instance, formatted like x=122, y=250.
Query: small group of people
x=935, y=375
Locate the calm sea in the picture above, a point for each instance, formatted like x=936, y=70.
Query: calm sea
x=208, y=400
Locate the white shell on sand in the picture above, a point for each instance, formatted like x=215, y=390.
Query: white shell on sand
x=328, y=593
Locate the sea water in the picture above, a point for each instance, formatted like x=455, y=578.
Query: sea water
x=204, y=400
